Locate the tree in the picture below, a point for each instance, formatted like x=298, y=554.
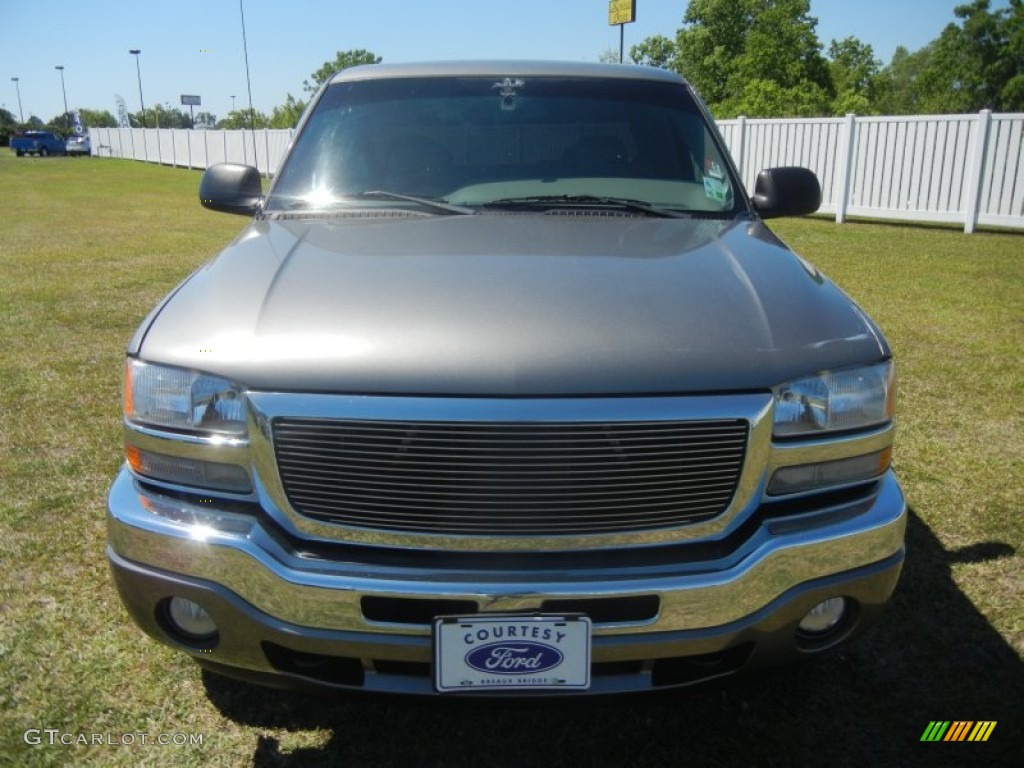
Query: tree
x=655, y=51
x=899, y=86
x=975, y=64
x=759, y=97
x=8, y=125
x=205, y=120
x=993, y=44
x=1012, y=92
x=97, y=118
x=288, y=114
x=64, y=124
x=782, y=46
x=160, y=116
x=166, y=116
x=964, y=75
x=60, y=124
x=239, y=118
x=343, y=60
x=756, y=57
x=711, y=43
x=855, y=76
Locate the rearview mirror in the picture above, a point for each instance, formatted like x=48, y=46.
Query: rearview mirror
x=231, y=188
x=788, y=191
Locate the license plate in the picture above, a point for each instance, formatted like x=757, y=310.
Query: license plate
x=522, y=653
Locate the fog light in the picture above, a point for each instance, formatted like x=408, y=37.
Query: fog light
x=824, y=616
x=190, y=619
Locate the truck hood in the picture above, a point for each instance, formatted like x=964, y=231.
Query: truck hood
x=508, y=304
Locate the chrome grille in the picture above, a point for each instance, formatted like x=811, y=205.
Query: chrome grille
x=550, y=478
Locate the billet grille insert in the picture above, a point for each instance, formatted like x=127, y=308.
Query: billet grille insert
x=509, y=479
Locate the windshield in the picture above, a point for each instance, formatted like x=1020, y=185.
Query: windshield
x=491, y=142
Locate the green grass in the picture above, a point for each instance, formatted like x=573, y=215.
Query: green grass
x=88, y=246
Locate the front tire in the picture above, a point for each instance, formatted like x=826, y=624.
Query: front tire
x=44, y=152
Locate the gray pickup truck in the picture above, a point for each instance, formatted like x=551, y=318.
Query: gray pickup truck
x=506, y=389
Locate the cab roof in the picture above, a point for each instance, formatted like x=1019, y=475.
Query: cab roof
x=512, y=68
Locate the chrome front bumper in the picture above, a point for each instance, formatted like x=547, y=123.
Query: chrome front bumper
x=277, y=604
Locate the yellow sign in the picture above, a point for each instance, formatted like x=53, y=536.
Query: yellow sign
x=621, y=12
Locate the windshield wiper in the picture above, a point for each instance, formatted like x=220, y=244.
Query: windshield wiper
x=625, y=203
x=426, y=202
x=333, y=205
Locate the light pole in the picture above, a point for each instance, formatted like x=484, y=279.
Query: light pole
x=60, y=68
x=135, y=52
x=18, y=89
x=232, y=103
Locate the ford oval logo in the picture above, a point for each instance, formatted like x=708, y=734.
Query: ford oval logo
x=514, y=658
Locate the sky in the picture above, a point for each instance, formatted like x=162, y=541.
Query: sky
x=195, y=46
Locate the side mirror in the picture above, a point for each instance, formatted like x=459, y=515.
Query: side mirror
x=787, y=191
x=231, y=188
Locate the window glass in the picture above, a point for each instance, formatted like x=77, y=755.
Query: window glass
x=474, y=140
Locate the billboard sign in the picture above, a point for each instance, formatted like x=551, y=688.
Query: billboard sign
x=621, y=12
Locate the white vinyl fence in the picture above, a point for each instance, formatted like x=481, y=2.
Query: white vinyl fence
x=963, y=169
x=262, y=148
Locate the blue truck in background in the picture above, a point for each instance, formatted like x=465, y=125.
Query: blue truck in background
x=40, y=143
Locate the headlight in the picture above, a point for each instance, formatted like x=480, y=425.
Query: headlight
x=180, y=399
x=834, y=401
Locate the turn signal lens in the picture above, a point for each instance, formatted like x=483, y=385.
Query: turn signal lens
x=212, y=475
x=809, y=477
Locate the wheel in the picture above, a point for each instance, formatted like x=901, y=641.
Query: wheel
x=19, y=152
x=43, y=152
